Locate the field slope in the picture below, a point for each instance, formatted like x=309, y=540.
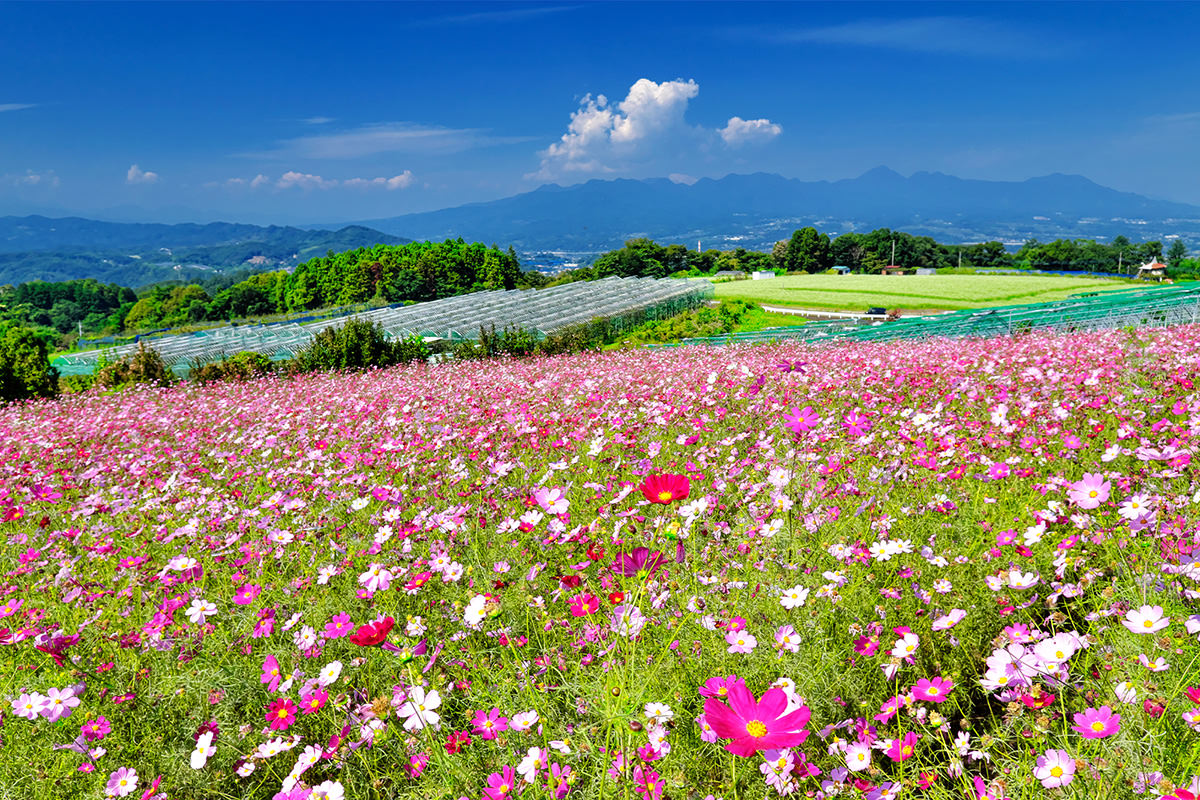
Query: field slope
x=945, y=292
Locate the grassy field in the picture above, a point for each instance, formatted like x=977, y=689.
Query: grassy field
x=949, y=292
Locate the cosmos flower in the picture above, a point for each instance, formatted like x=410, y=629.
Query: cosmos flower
x=1090, y=491
x=1097, y=723
x=752, y=725
x=1147, y=619
x=934, y=691
x=665, y=489
x=373, y=633
x=1055, y=768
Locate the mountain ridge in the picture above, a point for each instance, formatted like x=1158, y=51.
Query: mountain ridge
x=754, y=207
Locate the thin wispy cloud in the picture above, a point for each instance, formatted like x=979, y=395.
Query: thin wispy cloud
x=385, y=137
x=317, y=120
x=489, y=17
x=959, y=36
x=16, y=106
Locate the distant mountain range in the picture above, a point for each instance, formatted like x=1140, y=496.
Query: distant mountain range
x=133, y=254
x=756, y=210
x=555, y=226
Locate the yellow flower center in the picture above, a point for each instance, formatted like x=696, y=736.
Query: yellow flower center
x=756, y=729
x=1056, y=772
x=1097, y=726
x=908, y=751
x=1093, y=493
x=664, y=497
x=932, y=690
x=1149, y=623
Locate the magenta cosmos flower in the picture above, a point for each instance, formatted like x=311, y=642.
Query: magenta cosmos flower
x=935, y=691
x=281, y=714
x=801, y=420
x=638, y=560
x=1097, y=723
x=752, y=725
x=665, y=489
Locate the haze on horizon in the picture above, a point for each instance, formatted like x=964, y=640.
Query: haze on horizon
x=281, y=113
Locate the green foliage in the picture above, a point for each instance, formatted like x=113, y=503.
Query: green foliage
x=144, y=366
x=357, y=345
x=808, y=251
x=25, y=370
x=63, y=306
x=706, y=321
x=238, y=367
x=1085, y=255
x=1176, y=253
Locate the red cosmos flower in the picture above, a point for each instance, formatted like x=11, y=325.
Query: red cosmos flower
x=373, y=633
x=756, y=725
x=665, y=489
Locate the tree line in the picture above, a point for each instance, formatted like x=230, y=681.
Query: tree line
x=409, y=272
x=811, y=251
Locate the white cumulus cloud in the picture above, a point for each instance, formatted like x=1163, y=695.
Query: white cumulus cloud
x=303, y=180
x=647, y=128
x=138, y=175
x=401, y=181
x=738, y=131
x=31, y=178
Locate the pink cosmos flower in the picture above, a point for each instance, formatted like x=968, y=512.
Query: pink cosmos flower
x=801, y=420
x=1097, y=723
x=1147, y=619
x=281, y=713
x=247, y=594
x=583, y=605
x=490, y=723
x=649, y=784
x=1055, y=768
x=1090, y=491
x=740, y=642
x=96, y=729
x=122, y=782
x=665, y=489
x=552, y=501
x=752, y=725
x=903, y=748
x=339, y=626
x=59, y=704
x=314, y=701
x=857, y=423
x=719, y=687
x=935, y=691
x=500, y=785
x=271, y=674
x=948, y=621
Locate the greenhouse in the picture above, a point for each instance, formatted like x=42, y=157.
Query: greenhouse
x=542, y=311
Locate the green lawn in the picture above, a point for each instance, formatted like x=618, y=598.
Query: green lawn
x=758, y=319
x=948, y=292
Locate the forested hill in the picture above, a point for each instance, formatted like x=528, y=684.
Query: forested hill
x=41, y=248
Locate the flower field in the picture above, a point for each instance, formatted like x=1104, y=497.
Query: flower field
x=941, y=570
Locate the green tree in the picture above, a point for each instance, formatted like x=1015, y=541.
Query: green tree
x=25, y=370
x=808, y=251
x=1176, y=253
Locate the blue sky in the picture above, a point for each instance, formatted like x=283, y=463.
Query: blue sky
x=275, y=112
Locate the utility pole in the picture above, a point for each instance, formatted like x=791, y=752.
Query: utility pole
x=893, y=252
x=1120, y=259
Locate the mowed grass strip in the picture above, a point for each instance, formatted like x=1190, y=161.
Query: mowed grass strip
x=949, y=292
